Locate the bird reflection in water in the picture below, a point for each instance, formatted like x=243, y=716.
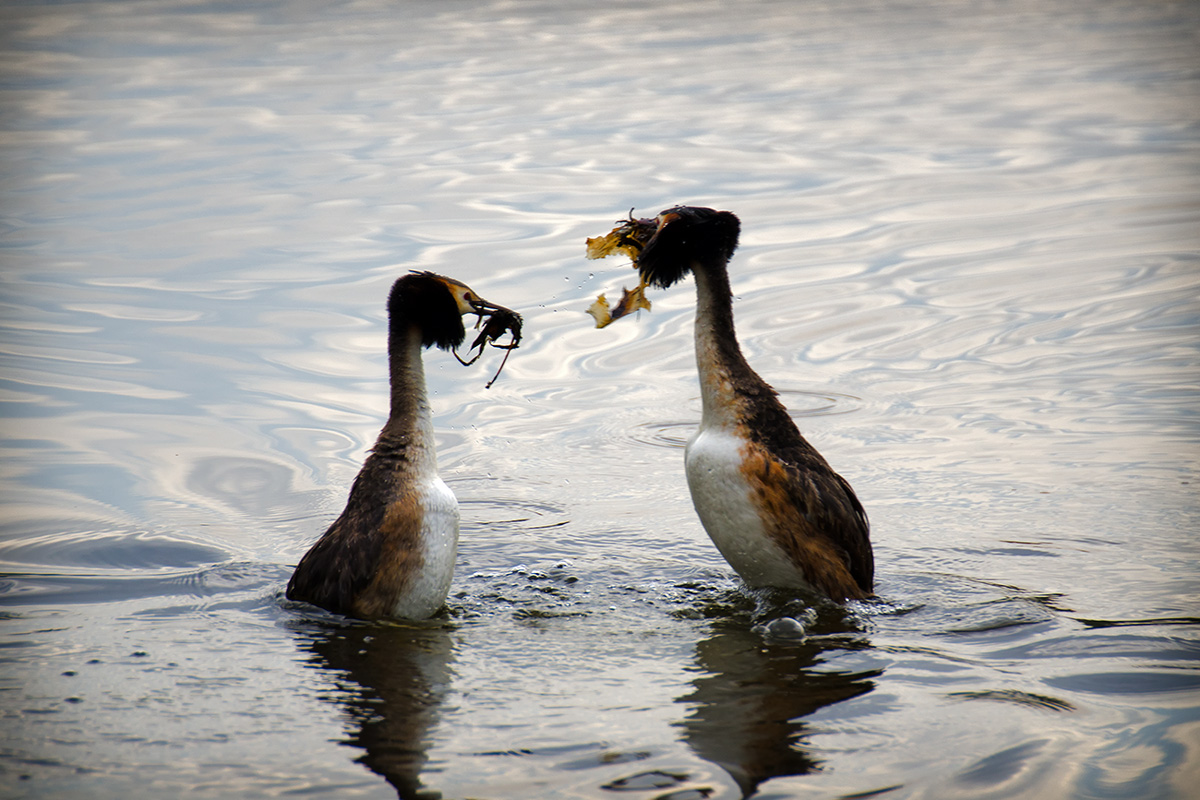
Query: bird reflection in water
x=392, y=681
x=750, y=700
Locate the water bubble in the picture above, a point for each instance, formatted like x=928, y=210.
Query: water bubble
x=785, y=628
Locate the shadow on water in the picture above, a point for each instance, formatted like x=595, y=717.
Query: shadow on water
x=756, y=684
x=391, y=680
x=761, y=671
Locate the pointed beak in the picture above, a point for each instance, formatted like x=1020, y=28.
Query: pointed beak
x=481, y=306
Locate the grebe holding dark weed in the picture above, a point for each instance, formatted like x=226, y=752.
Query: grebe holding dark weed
x=391, y=552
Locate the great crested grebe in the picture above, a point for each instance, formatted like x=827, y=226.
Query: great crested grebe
x=771, y=504
x=391, y=552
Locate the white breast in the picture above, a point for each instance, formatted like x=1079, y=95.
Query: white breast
x=427, y=591
x=724, y=503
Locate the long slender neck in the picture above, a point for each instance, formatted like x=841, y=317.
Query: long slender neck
x=724, y=374
x=408, y=432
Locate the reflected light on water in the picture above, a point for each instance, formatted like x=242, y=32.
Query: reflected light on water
x=968, y=265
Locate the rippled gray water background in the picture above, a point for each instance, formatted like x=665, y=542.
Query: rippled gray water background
x=970, y=263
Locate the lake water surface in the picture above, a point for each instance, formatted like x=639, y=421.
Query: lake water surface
x=970, y=263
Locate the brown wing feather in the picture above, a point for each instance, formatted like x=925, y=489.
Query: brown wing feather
x=855, y=538
x=346, y=562
x=819, y=521
x=399, y=560
x=831, y=528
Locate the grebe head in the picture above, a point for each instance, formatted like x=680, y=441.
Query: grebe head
x=436, y=304
x=686, y=237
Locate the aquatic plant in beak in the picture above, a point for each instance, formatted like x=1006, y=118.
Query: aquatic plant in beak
x=501, y=321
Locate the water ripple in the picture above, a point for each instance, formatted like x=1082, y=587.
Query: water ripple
x=968, y=262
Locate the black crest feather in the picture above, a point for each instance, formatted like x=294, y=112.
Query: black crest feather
x=423, y=299
x=695, y=237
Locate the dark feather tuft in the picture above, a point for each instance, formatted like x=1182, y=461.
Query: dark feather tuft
x=422, y=299
x=696, y=237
